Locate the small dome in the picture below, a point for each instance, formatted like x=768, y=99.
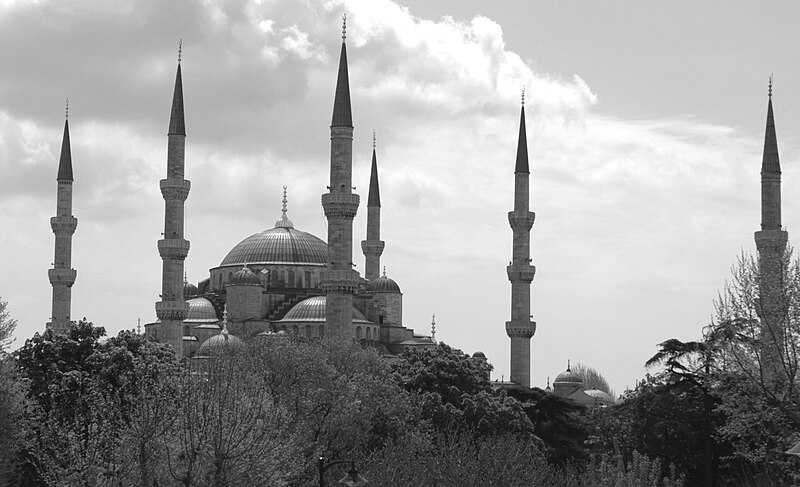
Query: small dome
x=189, y=290
x=244, y=277
x=218, y=343
x=601, y=396
x=479, y=355
x=200, y=309
x=383, y=284
x=313, y=309
x=568, y=377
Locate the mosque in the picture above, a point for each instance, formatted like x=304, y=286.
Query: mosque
x=283, y=280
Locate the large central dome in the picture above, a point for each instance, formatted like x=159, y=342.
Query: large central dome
x=280, y=245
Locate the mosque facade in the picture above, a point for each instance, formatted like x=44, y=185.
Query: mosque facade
x=282, y=279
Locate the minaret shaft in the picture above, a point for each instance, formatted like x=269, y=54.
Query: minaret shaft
x=173, y=248
x=520, y=272
x=339, y=281
x=62, y=276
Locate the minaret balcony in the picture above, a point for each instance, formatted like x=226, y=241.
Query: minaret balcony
x=172, y=310
x=520, y=329
x=521, y=273
x=62, y=277
x=771, y=240
x=521, y=220
x=372, y=247
x=339, y=281
x=175, y=189
x=63, y=225
x=173, y=248
x=340, y=205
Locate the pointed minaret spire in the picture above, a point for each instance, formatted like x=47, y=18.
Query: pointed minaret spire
x=284, y=222
x=771, y=246
x=522, y=143
x=342, y=114
x=520, y=271
x=176, y=122
x=373, y=246
x=339, y=281
x=173, y=248
x=62, y=276
x=433, y=328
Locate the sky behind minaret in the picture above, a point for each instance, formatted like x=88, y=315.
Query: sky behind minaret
x=645, y=131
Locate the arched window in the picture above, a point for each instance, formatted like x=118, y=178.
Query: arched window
x=186, y=330
x=294, y=329
x=308, y=280
x=308, y=331
x=230, y=274
x=290, y=281
x=358, y=333
x=369, y=333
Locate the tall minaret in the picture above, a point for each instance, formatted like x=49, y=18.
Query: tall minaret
x=520, y=272
x=340, y=281
x=771, y=246
x=373, y=245
x=62, y=275
x=172, y=308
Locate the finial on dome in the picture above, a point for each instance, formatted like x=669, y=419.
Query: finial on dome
x=284, y=222
x=373, y=139
x=548, y=382
x=568, y=366
x=180, y=49
x=344, y=27
x=66, y=114
x=770, y=85
x=384, y=271
x=433, y=327
x=523, y=96
x=185, y=277
x=138, y=326
x=225, y=320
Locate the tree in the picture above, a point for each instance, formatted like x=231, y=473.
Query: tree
x=7, y=326
x=592, y=379
x=455, y=392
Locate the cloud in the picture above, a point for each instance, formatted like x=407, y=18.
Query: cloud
x=631, y=214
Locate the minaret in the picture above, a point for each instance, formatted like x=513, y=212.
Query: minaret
x=520, y=272
x=771, y=246
x=339, y=281
x=173, y=248
x=62, y=275
x=373, y=245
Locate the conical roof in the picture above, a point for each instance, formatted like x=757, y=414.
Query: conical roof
x=374, y=198
x=770, y=161
x=342, y=115
x=522, y=146
x=176, y=122
x=65, y=163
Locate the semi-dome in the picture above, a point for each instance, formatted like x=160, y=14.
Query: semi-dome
x=189, y=290
x=218, y=343
x=601, y=396
x=244, y=277
x=568, y=377
x=200, y=310
x=383, y=284
x=313, y=310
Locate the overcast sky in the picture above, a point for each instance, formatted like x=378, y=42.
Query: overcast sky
x=645, y=130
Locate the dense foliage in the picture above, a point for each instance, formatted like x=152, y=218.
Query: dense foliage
x=81, y=409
